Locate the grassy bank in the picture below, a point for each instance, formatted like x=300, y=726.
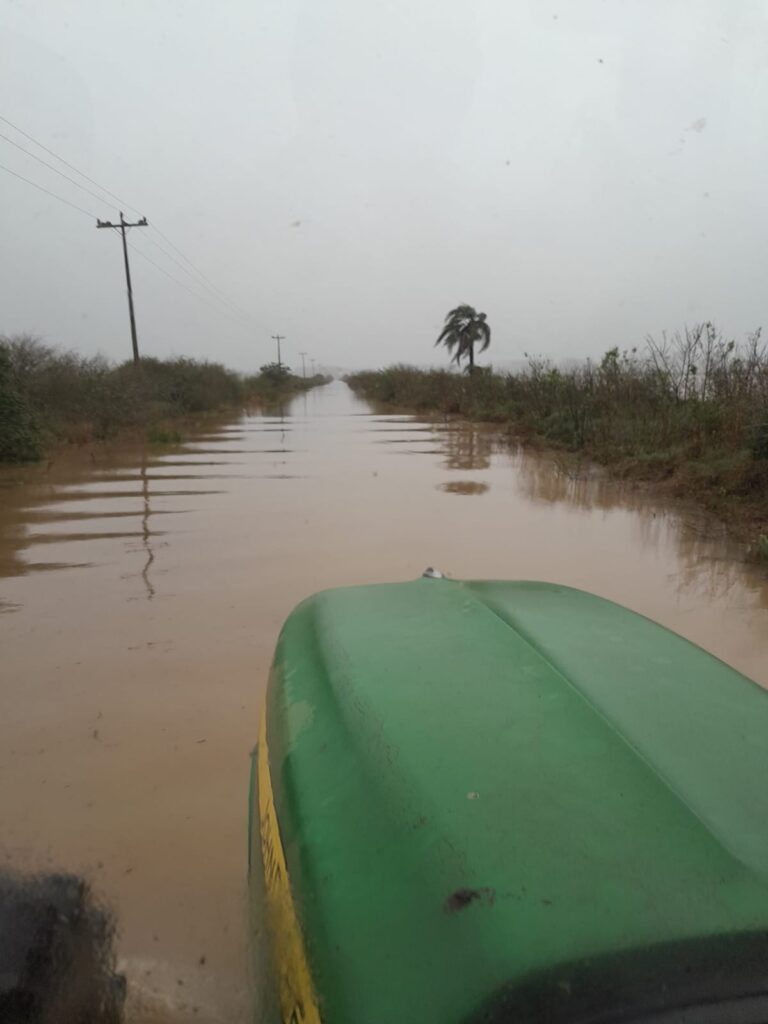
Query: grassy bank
x=690, y=410
x=49, y=396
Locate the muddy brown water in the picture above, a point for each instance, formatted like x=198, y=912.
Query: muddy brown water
x=141, y=593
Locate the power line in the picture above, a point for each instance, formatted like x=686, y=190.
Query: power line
x=126, y=204
x=217, y=292
x=199, y=272
x=48, y=192
x=92, y=216
x=186, y=288
x=211, y=289
x=67, y=164
x=55, y=170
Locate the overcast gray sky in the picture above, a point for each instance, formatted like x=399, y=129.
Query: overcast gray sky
x=345, y=171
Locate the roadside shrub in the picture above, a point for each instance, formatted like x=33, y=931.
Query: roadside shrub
x=275, y=381
x=759, y=446
x=185, y=385
x=19, y=431
x=47, y=394
x=693, y=405
x=692, y=391
x=275, y=373
x=163, y=436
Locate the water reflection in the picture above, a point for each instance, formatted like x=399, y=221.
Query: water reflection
x=145, y=531
x=706, y=561
x=95, y=500
x=546, y=477
x=468, y=446
x=464, y=487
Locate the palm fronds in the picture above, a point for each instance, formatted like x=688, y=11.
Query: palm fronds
x=464, y=328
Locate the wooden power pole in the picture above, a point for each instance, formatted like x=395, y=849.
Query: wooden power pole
x=303, y=364
x=278, y=338
x=123, y=227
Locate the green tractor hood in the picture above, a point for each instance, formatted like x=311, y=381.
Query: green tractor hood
x=508, y=802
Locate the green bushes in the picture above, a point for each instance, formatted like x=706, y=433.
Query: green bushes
x=49, y=395
x=275, y=381
x=434, y=391
x=19, y=431
x=275, y=374
x=75, y=398
x=185, y=386
x=160, y=435
x=759, y=439
x=691, y=393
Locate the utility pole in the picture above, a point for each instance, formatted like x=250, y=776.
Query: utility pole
x=303, y=365
x=278, y=338
x=123, y=226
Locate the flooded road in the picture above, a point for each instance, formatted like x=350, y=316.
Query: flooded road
x=141, y=593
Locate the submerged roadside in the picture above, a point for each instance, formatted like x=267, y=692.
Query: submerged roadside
x=50, y=397
x=703, y=439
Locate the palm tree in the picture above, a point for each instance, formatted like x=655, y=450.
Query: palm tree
x=464, y=328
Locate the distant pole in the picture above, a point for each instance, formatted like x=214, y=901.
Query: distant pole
x=278, y=338
x=123, y=226
x=303, y=365
x=313, y=366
